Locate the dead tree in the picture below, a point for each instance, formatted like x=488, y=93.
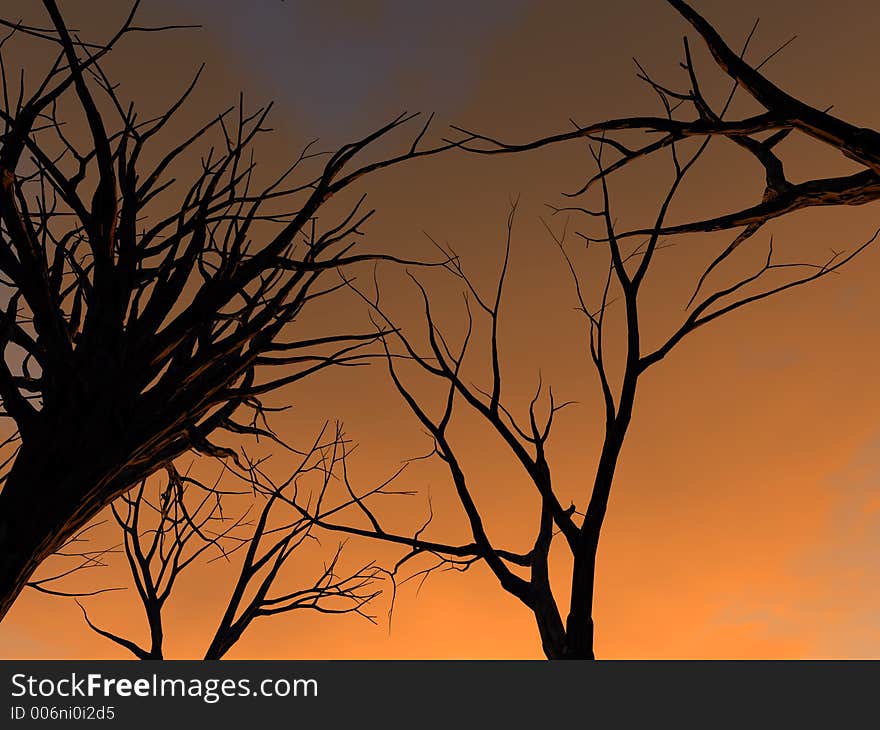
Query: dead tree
x=187, y=520
x=147, y=306
x=625, y=263
x=157, y=554
x=568, y=632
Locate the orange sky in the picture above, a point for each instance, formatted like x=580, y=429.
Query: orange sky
x=744, y=520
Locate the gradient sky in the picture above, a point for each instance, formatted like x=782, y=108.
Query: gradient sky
x=745, y=519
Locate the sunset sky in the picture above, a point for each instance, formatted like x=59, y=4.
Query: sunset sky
x=745, y=516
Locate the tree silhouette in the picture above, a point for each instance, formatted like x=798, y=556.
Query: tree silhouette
x=613, y=308
x=524, y=573
x=144, y=311
x=169, y=526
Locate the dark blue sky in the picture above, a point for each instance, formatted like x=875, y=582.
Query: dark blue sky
x=338, y=66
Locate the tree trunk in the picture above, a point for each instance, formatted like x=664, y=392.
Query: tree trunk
x=49, y=495
x=579, y=638
x=579, y=624
x=154, y=619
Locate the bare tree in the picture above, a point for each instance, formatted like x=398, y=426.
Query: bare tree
x=168, y=527
x=524, y=573
x=624, y=266
x=158, y=554
x=144, y=311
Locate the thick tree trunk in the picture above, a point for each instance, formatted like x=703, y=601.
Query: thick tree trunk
x=24, y=542
x=579, y=624
x=33, y=519
x=54, y=488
